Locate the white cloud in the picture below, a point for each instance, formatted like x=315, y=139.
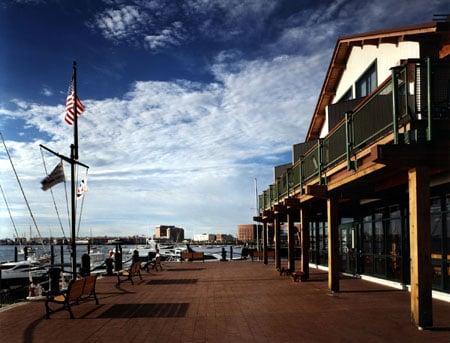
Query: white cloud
x=172, y=152
x=117, y=24
x=47, y=91
x=170, y=36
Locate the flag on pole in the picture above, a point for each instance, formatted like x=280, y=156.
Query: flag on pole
x=69, y=116
x=82, y=188
x=55, y=177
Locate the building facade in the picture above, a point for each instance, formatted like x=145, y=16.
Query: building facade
x=248, y=233
x=169, y=232
x=370, y=185
x=224, y=238
x=204, y=237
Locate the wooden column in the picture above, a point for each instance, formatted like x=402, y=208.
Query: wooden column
x=333, y=245
x=265, y=260
x=277, y=239
x=291, y=240
x=420, y=246
x=304, y=229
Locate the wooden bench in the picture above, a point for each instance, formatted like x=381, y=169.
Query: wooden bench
x=89, y=288
x=156, y=264
x=127, y=274
x=78, y=290
x=260, y=254
x=284, y=271
x=298, y=276
x=192, y=256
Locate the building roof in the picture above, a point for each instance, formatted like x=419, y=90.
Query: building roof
x=342, y=51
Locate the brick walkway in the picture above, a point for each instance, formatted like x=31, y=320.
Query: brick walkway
x=233, y=302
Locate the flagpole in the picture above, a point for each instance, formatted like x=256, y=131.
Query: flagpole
x=74, y=158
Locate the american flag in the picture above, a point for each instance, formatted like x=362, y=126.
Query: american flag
x=69, y=115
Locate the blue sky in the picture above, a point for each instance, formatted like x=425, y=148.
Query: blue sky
x=186, y=101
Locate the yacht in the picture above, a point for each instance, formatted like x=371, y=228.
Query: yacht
x=15, y=273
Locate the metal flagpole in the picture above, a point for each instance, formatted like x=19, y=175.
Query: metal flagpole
x=257, y=209
x=74, y=157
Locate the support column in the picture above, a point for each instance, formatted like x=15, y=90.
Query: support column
x=265, y=233
x=304, y=227
x=420, y=246
x=277, y=239
x=333, y=245
x=291, y=240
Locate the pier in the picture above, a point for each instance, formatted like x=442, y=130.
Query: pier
x=233, y=302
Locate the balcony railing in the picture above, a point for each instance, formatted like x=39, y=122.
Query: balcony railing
x=414, y=90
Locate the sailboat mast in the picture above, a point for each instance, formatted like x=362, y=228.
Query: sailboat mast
x=74, y=158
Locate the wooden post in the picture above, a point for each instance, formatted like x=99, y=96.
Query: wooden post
x=291, y=240
x=265, y=260
x=304, y=227
x=52, y=254
x=333, y=245
x=420, y=246
x=277, y=238
x=62, y=255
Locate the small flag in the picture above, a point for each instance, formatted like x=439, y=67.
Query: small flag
x=55, y=177
x=69, y=116
x=82, y=188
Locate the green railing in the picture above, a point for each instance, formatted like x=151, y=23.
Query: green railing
x=412, y=92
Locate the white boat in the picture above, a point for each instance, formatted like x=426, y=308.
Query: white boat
x=20, y=272
x=97, y=257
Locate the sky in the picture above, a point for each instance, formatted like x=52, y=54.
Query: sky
x=187, y=102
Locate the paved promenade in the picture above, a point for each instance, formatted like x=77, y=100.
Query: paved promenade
x=228, y=302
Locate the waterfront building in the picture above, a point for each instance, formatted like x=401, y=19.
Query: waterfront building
x=224, y=238
x=247, y=232
x=370, y=183
x=169, y=232
x=204, y=237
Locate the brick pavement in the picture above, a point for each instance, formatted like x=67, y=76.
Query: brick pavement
x=233, y=302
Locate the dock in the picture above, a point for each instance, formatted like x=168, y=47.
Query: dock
x=239, y=301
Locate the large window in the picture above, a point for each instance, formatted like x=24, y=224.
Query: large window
x=367, y=82
x=440, y=241
x=382, y=243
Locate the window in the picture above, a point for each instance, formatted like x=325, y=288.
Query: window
x=367, y=82
x=348, y=95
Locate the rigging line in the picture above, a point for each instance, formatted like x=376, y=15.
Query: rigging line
x=81, y=210
x=23, y=193
x=10, y=215
x=53, y=196
x=76, y=200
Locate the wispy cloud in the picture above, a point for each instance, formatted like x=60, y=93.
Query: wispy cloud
x=170, y=36
x=117, y=24
x=47, y=91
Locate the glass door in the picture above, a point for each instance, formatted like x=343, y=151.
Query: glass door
x=348, y=247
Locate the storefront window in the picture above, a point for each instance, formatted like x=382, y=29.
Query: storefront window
x=379, y=238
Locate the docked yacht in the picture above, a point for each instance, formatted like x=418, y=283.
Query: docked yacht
x=15, y=273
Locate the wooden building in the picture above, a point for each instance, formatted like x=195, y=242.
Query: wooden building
x=370, y=185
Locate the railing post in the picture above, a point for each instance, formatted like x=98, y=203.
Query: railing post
x=287, y=182
x=395, y=103
x=351, y=165
x=301, y=175
x=428, y=60
x=322, y=181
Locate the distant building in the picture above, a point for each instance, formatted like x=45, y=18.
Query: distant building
x=247, y=232
x=169, y=232
x=224, y=238
x=204, y=237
